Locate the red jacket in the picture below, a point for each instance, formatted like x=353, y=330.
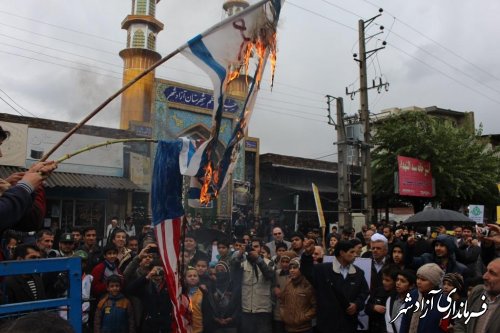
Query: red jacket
x=99, y=282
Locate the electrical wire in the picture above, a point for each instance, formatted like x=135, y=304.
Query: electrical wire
x=3, y=91
x=61, y=27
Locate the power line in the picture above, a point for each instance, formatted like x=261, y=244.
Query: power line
x=292, y=103
x=60, y=65
x=58, y=39
x=318, y=158
x=290, y=115
x=61, y=27
x=439, y=44
x=60, y=58
x=16, y=103
x=63, y=51
x=342, y=8
x=448, y=76
x=447, y=63
x=13, y=108
x=322, y=16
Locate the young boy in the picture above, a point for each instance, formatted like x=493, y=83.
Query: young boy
x=375, y=307
x=298, y=301
x=201, y=267
x=224, y=251
x=103, y=270
x=114, y=312
x=281, y=279
x=405, y=282
x=196, y=298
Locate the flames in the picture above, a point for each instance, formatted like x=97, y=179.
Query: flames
x=261, y=45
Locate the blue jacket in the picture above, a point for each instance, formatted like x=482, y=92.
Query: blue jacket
x=430, y=322
x=15, y=203
x=114, y=315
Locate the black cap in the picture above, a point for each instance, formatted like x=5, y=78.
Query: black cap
x=67, y=238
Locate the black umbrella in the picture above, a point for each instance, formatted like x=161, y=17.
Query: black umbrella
x=437, y=217
x=207, y=236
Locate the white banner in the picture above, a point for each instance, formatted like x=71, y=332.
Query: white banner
x=476, y=213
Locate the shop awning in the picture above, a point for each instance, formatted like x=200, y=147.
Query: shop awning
x=79, y=180
x=306, y=188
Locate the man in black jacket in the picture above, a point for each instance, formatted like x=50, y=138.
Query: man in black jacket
x=25, y=287
x=341, y=288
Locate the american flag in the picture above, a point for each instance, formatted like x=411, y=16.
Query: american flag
x=219, y=51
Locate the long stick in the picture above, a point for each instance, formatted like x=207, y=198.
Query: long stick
x=148, y=70
x=112, y=97
x=97, y=145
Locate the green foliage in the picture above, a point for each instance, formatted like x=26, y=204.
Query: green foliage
x=464, y=167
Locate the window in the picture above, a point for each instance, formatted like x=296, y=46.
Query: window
x=151, y=41
x=138, y=40
x=152, y=7
x=141, y=7
x=89, y=212
x=128, y=38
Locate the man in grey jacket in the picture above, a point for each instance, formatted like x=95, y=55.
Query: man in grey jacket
x=279, y=237
x=256, y=279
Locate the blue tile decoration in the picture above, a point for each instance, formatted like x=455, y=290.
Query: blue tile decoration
x=197, y=98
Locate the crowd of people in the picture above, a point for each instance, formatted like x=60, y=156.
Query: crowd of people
x=287, y=284
x=256, y=277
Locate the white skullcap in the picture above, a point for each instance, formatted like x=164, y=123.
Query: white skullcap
x=378, y=238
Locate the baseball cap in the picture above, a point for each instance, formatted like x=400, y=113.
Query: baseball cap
x=67, y=237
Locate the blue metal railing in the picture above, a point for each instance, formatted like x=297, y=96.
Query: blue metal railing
x=74, y=299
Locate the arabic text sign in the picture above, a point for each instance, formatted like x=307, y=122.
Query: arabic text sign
x=444, y=304
x=415, y=177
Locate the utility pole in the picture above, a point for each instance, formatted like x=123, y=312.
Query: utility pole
x=344, y=196
x=343, y=183
x=364, y=112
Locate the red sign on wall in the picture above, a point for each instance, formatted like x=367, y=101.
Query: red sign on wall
x=415, y=178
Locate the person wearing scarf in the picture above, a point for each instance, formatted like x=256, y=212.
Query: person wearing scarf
x=221, y=305
x=105, y=269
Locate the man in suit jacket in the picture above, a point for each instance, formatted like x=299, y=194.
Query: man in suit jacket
x=489, y=321
x=341, y=288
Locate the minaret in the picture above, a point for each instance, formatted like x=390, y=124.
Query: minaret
x=142, y=28
x=238, y=87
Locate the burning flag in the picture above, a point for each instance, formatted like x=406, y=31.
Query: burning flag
x=223, y=54
x=222, y=51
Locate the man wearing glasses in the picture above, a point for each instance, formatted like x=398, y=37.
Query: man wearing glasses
x=278, y=236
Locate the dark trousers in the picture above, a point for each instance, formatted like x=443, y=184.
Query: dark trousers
x=256, y=322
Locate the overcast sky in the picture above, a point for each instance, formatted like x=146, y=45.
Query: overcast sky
x=59, y=60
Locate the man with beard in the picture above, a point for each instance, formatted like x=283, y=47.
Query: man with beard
x=444, y=256
x=489, y=294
